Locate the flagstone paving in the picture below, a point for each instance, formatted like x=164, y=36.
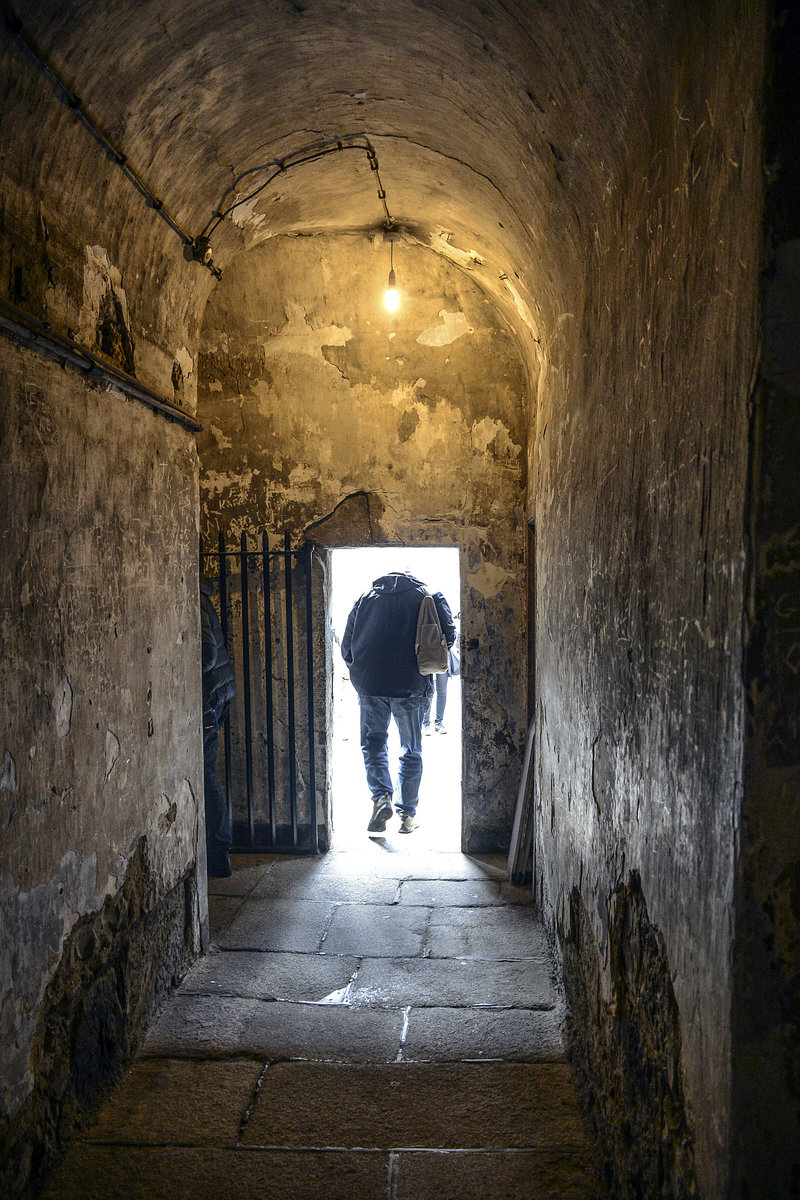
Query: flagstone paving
x=382, y=1023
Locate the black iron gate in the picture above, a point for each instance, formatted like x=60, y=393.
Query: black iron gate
x=268, y=743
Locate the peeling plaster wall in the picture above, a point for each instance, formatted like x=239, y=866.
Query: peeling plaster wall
x=99, y=703
x=81, y=250
x=638, y=483
x=309, y=393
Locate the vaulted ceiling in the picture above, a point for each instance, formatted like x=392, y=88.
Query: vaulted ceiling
x=500, y=128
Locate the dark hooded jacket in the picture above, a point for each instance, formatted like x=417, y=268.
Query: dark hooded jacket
x=379, y=638
x=219, y=681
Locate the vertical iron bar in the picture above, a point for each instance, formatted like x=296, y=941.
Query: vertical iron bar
x=292, y=748
x=248, y=743
x=223, y=620
x=312, y=767
x=268, y=686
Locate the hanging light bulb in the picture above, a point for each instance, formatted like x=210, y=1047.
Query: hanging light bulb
x=391, y=297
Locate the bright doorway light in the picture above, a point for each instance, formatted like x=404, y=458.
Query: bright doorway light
x=439, y=812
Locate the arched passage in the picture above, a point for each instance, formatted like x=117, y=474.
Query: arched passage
x=598, y=172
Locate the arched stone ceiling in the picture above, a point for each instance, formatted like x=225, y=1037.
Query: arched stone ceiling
x=500, y=127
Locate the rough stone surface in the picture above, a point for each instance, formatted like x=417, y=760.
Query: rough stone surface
x=452, y=1035
x=175, y=1100
x=224, y=1026
x=361, y=890
x=384, y=932
x=454, y=982
x=628, y=1051
x=272, y=976
x=766, y=1017
x=466, y=894
x=473, y=933
x=95, y=1172
x=638, y=483
x=351, y=1072
x=467, y=1176
x=115, y=966
x=464, y=1106
x=222, y=910
x=278, y=925
x=250, y=871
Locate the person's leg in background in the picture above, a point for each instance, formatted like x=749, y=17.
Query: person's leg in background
x=441, y=700
x=218, y=821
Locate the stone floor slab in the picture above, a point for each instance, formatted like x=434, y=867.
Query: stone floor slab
x=523, y=983
x=520, y=1175
x=403, y=861
x=475, y=893
x=296, y=925
x=352, y=890
x=178, y=1100
x=248, y=869
x=503, y=933
x=365, y=929
x=202, y=1027
x=176, y=1173
x=454, y=1034
x=269, y=975
x=223, y=1027
x=400, y=1105
x=221, y=911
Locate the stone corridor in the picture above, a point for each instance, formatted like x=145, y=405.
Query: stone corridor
x=379, y=1023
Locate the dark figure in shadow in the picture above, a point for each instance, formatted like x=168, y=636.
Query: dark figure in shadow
x=219, y=688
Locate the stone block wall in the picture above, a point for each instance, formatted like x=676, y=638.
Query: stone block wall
x=100, y=718
x=766, y=1012
x=638, y=484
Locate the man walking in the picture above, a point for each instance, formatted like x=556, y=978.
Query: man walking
x=379, y=648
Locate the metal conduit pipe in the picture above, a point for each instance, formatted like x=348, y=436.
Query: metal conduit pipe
x=20, y=327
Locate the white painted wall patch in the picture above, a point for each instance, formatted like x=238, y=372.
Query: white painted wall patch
x=454, y=325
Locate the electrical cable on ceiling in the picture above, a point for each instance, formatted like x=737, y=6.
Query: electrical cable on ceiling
x=75, y=105
x=197, y=249
x=278, y=166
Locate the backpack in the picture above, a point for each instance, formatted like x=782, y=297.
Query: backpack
x=430, y=645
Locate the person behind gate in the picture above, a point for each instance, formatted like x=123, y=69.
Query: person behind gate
x=219, y=688
x=379, y=648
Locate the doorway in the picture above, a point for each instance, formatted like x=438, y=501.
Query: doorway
x=439, y=813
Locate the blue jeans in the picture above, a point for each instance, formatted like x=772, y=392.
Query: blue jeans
x=441, y=699
x=376, y=712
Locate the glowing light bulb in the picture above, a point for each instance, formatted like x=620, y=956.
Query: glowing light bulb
x=391, y=297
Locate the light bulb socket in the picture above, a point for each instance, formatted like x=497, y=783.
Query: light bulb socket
x=392, y=279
